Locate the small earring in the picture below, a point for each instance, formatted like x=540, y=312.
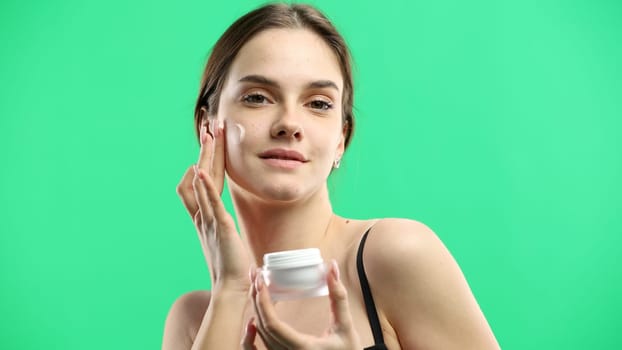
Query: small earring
x=336, y=163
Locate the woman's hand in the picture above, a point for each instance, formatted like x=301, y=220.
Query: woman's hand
x=200, y=191
x=277, y=335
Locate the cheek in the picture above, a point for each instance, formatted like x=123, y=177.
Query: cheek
x=241, y=137
x=328, y=138
x=236, y=133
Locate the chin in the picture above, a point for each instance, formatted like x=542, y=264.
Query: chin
x=276, y=189
x=281, y=192
x=269, y=189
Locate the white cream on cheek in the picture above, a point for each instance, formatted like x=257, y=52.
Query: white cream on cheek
x=241, y=132
x=237, y=133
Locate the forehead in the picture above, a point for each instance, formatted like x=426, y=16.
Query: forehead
x=289, y=56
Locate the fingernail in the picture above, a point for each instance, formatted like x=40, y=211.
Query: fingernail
x=212, y=123
x=336, y=269
x=259, y=282
x=220, y=124
x=196, y=169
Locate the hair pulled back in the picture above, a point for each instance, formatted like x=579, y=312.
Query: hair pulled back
x=295, y=16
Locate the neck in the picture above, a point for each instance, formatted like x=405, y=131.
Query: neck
x=269, y=227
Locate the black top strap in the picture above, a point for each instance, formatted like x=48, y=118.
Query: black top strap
x=370, y=306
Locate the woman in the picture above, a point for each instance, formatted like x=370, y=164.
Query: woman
x=275, y=115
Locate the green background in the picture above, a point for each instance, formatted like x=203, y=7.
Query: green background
x=496, y=123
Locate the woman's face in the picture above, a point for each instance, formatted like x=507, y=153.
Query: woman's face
x=281, y=104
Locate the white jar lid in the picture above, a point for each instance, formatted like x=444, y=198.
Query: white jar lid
x=292, y=258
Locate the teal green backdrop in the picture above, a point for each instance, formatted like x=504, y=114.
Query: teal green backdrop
x=496, y=123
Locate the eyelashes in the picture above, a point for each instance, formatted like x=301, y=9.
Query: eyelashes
x=321, y=105
x=256, y=99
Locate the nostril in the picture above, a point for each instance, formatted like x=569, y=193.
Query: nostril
x=288, y=132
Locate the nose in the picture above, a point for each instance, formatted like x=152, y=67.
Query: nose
x=288, y=125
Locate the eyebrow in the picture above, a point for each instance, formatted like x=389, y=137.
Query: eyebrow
x=260, y=79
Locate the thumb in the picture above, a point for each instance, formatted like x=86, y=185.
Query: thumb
x=248, y=343
x=339, y=305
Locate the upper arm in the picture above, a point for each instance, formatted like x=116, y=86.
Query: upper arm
x=423, y=292
x=184, y=319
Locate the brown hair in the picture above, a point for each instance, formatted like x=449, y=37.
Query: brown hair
x=267, y=17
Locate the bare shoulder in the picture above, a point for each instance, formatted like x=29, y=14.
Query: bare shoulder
x=392, y=241
x=421, y=290
x=184, y=319
x=404, y=253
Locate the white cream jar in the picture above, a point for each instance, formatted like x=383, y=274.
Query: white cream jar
x=295, y=274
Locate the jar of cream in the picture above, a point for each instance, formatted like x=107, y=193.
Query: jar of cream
x=295, y=274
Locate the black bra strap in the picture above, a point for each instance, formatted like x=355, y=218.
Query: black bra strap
x=372, y=314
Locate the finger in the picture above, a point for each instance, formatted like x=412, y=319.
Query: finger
x=252, y=272
x=248, y=343
x=274, y=328
x=201, y=197
x=185, y=191
x=217, y=169
x=214, y=201
x=268, y=340
x=340, y=308
x=205, y=154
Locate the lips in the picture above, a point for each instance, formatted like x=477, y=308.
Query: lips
x=283, y=154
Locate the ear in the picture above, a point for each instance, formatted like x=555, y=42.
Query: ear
x=206, y=118
x=341, y=145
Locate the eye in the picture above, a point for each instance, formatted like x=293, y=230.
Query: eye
x=321, y=105
x=254, y=98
